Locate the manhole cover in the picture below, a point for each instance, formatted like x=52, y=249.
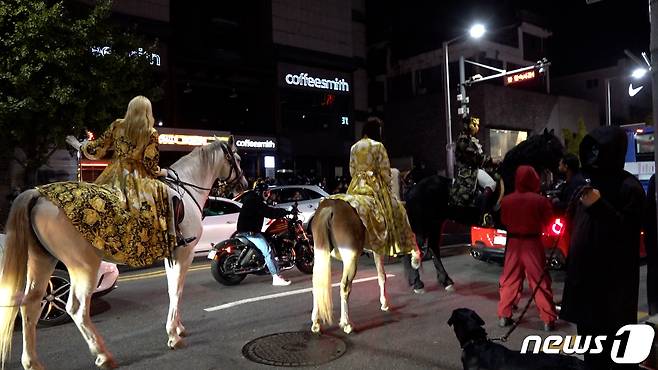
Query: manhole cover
x=299, y=348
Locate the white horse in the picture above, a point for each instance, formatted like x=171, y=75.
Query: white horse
x=39, y=234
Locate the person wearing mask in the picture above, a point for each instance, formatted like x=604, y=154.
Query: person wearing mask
x=603, y=269
x=469, y=160
x=570, y=167
x=525, y=214
x=250, y=221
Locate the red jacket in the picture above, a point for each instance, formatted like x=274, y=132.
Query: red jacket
x=525, y=212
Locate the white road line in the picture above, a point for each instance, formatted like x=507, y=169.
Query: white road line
x=279, y=295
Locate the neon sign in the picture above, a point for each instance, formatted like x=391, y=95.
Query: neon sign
x=519, y=77
x=303, y=79
x=255, y=144
x=188, y=140
x=106, y=50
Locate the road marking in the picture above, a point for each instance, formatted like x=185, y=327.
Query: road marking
x=279, y=295
x=154, y=274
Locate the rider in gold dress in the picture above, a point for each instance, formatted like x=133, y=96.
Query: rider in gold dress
x=384, y=217
x=127, y=213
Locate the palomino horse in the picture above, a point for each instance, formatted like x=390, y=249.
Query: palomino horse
x=39, y=234
x=337, y=226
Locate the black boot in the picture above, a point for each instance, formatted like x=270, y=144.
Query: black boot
x=486, y=219
x=179, y=216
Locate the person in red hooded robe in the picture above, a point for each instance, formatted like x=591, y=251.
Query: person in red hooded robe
x=525, y=215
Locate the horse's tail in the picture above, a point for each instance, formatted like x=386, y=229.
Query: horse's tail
x=13, y=268
x=322, y=263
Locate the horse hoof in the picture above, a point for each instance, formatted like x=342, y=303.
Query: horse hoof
x=177, y=344
x=105, y=362
x=33, y=365
x=182, y=332
x=347, y=328
x=315, y=328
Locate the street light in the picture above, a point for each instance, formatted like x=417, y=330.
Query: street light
x=639, y=73
x=476, y=31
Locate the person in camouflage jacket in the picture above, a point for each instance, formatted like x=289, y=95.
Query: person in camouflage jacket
x=469, y=159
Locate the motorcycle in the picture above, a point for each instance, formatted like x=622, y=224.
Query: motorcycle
x=237, y=257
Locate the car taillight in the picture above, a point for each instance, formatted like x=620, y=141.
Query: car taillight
x=557, y=226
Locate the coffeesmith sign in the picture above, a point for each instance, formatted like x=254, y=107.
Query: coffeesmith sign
x=303, y=79
x=255, y=143
x=316, y=79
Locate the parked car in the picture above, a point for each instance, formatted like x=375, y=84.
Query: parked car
x=219, y=223
x=59, y=286
x=308, y=199
x=488, y=244
x=221, y=214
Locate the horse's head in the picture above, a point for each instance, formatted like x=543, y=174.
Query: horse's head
x=230, y=171
x=543, y=152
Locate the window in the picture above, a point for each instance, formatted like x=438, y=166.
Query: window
x=501, y=141
x=533, y=48
x=429, y=80
x=218, y=207
x=290, y=195
x=313, y=194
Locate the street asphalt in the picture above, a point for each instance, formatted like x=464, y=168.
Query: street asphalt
x=413, y=335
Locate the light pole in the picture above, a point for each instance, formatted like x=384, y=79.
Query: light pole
x=476, y=32
x=637, y=74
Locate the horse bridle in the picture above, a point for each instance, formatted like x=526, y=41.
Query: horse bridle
x=229, y=155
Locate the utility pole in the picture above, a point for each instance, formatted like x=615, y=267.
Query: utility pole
x=653, y=18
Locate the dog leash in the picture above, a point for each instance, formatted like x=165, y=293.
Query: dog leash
x=577, y=194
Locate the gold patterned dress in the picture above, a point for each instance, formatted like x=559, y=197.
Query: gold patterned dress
x=384, y=217
x=126, y=213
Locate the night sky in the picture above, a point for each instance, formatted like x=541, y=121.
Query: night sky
x=584, y=36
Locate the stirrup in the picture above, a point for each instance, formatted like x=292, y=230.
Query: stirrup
x=182, y=242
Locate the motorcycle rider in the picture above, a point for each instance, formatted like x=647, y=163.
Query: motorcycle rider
x=254, y=210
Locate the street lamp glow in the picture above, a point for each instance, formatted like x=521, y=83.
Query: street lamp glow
x=477, y=31
x=639, y=73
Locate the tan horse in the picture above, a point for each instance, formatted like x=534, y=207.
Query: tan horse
x=39, y=234
x=337, y=226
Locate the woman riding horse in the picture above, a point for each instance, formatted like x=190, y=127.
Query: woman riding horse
x=132, y=173
x=368, y=216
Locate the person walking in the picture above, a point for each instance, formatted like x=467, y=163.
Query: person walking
x=525, y=214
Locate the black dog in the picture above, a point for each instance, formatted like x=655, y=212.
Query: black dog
x=479, y=353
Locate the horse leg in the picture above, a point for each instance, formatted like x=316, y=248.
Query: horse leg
x=176, y=272
x=350, y=260
x=83, y=281
x=40, y=267
x=381, y=278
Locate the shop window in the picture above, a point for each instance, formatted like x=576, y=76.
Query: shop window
x=501, y=141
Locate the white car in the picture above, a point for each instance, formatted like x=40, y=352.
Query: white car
x=308, y=199
x=221, y=214
x=59, y=286
x=220, y=222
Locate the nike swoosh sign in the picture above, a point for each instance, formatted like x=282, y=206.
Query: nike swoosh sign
x=632, y=92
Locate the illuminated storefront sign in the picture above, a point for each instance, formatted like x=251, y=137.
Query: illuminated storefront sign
x=303, y=79
x=256, y=144
x=106, y=50
x=188, y=140
x=519, y=77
